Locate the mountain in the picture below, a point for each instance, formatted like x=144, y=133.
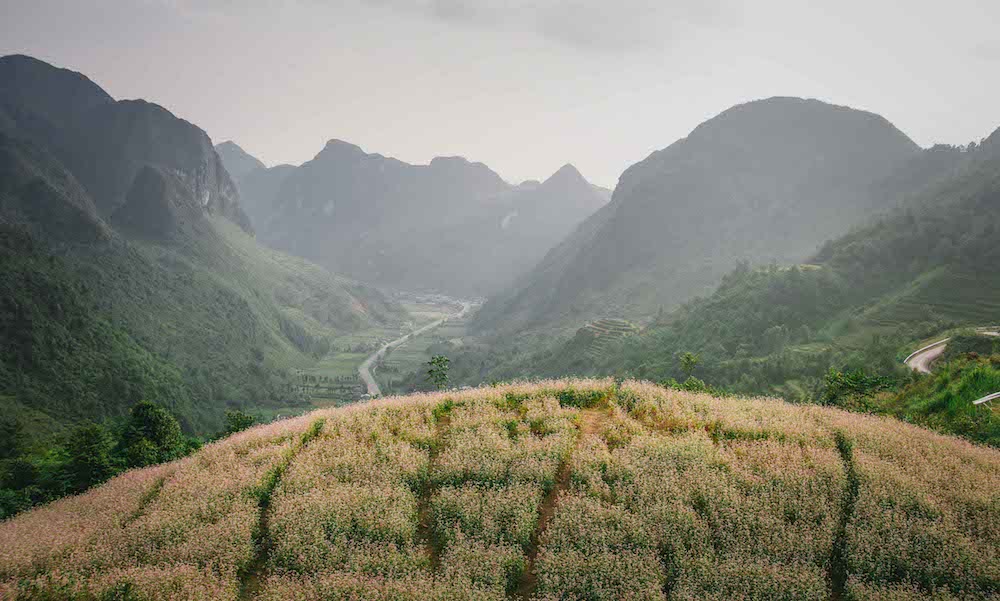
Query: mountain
x=452, y=226
x=38, y=194
x=512, y=235
x=763, y=181
x=238, y=162
x=105, y=143
x=859, y=304
x=372, y=217
x=259, y=191
x=573, y=489
x=130, y=271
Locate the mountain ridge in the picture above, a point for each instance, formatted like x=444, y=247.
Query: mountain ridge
x=105, y=142
x=409, y=226
x=762, y=180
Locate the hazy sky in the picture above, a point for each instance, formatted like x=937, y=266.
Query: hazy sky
x=523, y=86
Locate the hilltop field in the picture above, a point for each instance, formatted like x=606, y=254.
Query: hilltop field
x=572, y=489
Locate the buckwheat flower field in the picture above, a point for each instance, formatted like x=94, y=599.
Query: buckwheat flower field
x=561, y=490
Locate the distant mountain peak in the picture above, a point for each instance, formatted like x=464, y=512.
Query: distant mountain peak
x=238, y=162
x=566, y=174
x=50, y=91
x=789, y=115
x=450, y=160
x=233, y=146
x=336, y=147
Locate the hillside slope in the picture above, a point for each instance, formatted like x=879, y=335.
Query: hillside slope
x=130, y=270
x=858, y=302
x=567, y=489
x=451, y=226
x=763, y=181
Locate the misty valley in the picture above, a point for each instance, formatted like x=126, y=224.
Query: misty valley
x=762, y=366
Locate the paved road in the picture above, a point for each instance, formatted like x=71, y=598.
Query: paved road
x=923, y=359
x=365, y=370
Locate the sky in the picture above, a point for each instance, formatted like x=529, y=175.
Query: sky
x=523, y=86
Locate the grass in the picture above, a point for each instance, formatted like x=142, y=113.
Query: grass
x=571, y=489
x=943, y=400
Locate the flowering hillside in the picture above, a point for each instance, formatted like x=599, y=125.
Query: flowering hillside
x=560, y=490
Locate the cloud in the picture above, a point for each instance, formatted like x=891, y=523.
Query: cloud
x=602, y=25
x=592, y=25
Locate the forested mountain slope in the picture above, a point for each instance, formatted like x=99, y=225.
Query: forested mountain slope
x=764, y=181
x=129, y=270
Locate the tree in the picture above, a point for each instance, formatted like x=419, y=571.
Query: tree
x=152, y=436
x=689, y=361
x=91, y=462
x=237, y=421
x=437, y=372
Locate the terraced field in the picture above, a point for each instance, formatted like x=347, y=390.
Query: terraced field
x=603, y=333
x=576, y=490
x=964, y=298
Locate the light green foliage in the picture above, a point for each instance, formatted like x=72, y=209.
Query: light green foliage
x=689, y=361
x=943, y=400
x=437, y=371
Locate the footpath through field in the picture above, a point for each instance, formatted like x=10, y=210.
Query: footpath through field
x=590, y=424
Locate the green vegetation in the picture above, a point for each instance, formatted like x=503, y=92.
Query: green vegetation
x=943, y=400
x=89, y=454
x=62, y=359
x=237, y=421
x=689, y=361
x=970, y=342
x=437, y=371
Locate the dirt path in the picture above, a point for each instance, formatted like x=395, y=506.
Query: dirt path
x=251, y=577
x=425, y=525
x=365, y=369
x=590, y=424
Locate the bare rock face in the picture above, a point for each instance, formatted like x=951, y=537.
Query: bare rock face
x=130, y=135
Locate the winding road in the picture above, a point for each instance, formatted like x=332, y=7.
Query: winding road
x=922, y=360
x=365, y=369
